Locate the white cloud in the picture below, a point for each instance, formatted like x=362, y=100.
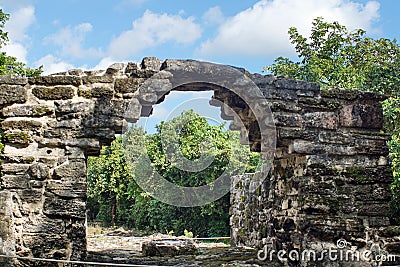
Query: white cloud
x=16, y=50
x=71, y=41
x=152, y=30
x=52, y=64
x=262, y=29
x=213, y=16
x=19, y=22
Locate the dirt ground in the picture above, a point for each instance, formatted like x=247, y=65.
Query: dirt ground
x=121, y=246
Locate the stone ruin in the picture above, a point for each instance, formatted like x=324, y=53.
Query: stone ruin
x=329, y=180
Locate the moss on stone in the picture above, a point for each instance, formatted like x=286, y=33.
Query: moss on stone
x=258, y=191
x=358, y=173
x=42, y=110
x=18, y=138
x=28, y=160
x=86, y=93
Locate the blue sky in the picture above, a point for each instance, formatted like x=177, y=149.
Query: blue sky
x=91, y=34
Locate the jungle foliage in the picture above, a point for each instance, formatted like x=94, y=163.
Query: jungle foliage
x=115, y=198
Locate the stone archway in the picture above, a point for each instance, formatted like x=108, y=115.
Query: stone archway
x=325, y=141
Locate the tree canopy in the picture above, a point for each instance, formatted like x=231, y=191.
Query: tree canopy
x=10, y=65
x=115, y=197
x=335, y=57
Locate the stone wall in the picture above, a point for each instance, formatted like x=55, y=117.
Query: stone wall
x=330, y=178
x=330, y=175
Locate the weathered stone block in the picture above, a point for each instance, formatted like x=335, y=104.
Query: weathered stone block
x=18, y=137
x=335, y=137
x=97, y=79
x=71, y=106
x=72, y=170
x=56, y=80
x=148, y=98
x=10, y=94
x=30, y=196
x=102, y=92
x=340, y=94
x=151, y=63
x=380, y=209
x=47, y=245
x=12, y=168
x=54, y=93
x=129, y=85
x=288, y=119
x=324, y=120
x=31, y=110
x=66, y=208
x=168, y=248
x=43, y=224
x=21, y=124
x=67, y=188
x=130, y=67
x=361, y=116
x=292, y=84
x=13, y=80
x=296, y=133
x=14, y=181
x=115, y=69
x=85, y=92
x=39, y=171
x=76, y=72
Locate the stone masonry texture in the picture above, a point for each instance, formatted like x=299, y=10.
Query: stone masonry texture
x=329, y=180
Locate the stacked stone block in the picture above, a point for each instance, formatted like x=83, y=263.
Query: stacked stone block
x=330, y=176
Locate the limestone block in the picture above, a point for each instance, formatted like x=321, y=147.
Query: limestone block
x=76, y=72
x=54, y=93
x=43, y=224
x=97, y=79
x=13, y=80
x=151, y=63
x=324, y=120
x=74, y=170
x=67, y=187
x=100, y=91
x=18, y=137
x=288, y=119
x=56, y=80
x=10, y=94
x=115, y=69
x=128, y=85
x=68, y=208
x=30, y=110
x=168, y=248
x=361, y=116
x=39, y=171
x=284, y=83
x=30, y=196
x=15, y=181
x=47, y=245
x=148, y=98
x=74, y=106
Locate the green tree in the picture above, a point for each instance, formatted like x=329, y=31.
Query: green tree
x=111, y=176
x=337, y=58
x=10, y=65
